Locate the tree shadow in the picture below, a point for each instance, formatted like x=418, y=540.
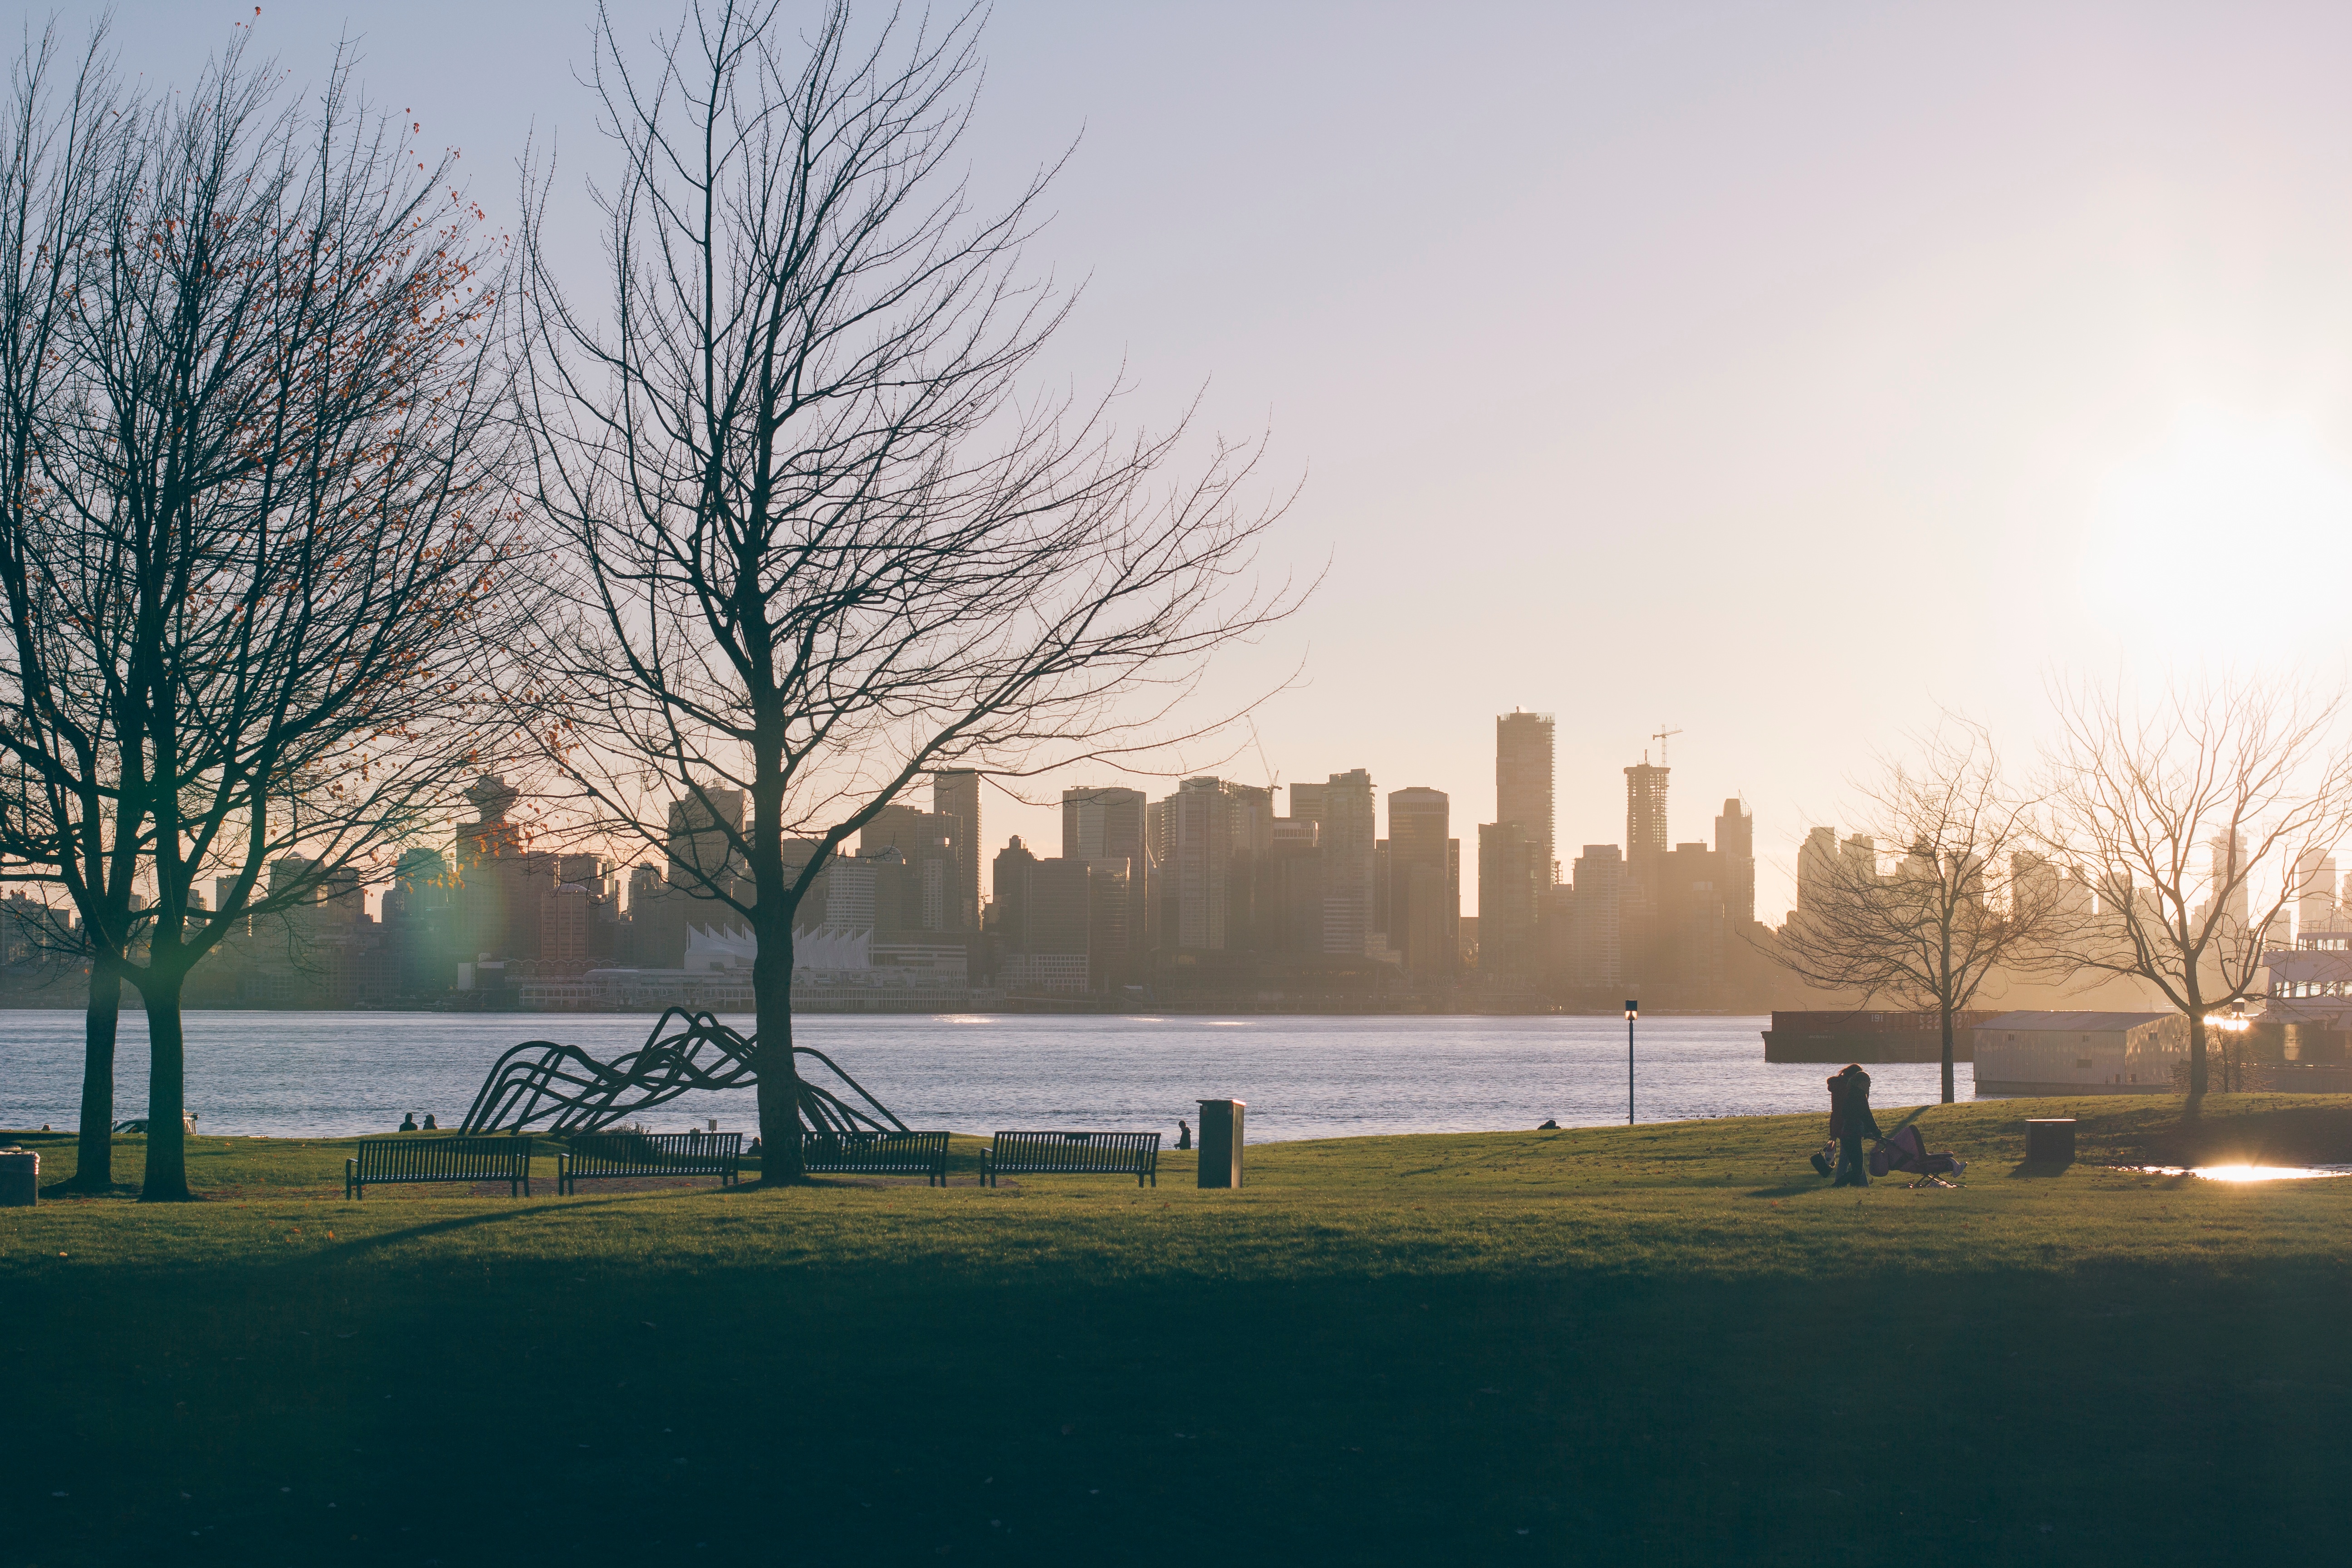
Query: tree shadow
x=1790, y=1190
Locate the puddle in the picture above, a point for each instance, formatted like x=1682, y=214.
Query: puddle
x=2244, y=1172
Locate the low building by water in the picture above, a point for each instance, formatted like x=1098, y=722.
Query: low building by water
x=2061, y=1052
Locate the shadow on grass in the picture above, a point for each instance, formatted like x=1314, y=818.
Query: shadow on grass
x=2041, y=1168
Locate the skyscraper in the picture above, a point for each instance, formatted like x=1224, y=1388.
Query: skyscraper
x=1199, y=861
x=1107, y=822
x=1645, y=811
x=1510, y=878
x=1523, y=769
x=1423, y=921
x=1595, y=956
x=1734, y=840
x=1342, y=809
x=955, y=793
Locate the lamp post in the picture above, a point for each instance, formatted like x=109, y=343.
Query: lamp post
x=1632, y=1011
x=2233, y=1026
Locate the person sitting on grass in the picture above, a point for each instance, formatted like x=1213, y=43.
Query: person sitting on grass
x=1850, y=1122
x=408, y=1122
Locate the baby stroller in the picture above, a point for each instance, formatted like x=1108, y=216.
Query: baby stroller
x=1904, y=1150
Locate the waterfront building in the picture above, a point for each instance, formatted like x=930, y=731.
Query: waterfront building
x=1523, y=780
x=1423, y=872
x=955, y=795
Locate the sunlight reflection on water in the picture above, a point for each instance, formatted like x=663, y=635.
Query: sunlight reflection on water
x=2248, y=1173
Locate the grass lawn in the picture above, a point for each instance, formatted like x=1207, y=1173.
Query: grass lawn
x=1671, y=1343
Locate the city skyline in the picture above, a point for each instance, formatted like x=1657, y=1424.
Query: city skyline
x=2102, y=314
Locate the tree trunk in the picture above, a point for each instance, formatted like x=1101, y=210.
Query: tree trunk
x=167, y=1143
x=780, y=1086
x=1945, y=1007
x=2196, y=1055
x=94, y=1163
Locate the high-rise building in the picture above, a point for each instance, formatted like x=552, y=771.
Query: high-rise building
x=955, y=793
x=1289, y=900
x=1523, y=778
x=1106, y=823
x=1645, y=811
x=1200, y=861
x=1511, y=878
x=1595, y=956
x=704, y=830
x=2314, y=890
x=1734, y=840
x=1423, y=870
x=1343, y=810
x=926, y=840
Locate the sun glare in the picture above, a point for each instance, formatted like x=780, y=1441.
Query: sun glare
x=2226, y=501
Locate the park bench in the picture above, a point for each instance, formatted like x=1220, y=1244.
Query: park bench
x=923, y=1154
x=600, y=1156
x=1133, y=1154
x=399, y=1160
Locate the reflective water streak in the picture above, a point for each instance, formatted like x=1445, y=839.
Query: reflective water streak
x=2245, y=1173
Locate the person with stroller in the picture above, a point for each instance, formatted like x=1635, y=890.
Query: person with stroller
x=1850, y=1122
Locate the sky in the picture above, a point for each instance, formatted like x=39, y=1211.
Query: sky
x=1780, y=376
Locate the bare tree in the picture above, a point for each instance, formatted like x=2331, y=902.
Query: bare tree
x=822, y=545
x=60, y=147
x=266, y=528
x=1968, y=897
x=2174, y=809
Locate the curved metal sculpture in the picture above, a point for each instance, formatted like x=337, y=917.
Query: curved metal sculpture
x=576, y=1093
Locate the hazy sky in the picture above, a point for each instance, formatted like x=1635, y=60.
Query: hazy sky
x=1774, y=372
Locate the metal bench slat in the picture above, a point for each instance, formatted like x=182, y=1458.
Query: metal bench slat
x=598, y=1156
x=398, y=1161
x=921, y=1155
x=1074, y=1153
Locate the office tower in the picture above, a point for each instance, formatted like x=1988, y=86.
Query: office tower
x=1816, y=871
x=955, y=793
x=1510, y=878
x=2314, y=890
x=1422, y=865
x=1009, y=891
x=1104, y=823
x=1645, y=811
x=1051, y=919
x=1596, y=957
x=925, y=843
x=1290, y=889
x=1523, y=770
x=1342, y=809
x=1200, y=861
x=1734, y=840
x=704, y=830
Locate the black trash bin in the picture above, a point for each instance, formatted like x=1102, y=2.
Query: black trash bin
x=1221, y=1143
x=2050, y=1139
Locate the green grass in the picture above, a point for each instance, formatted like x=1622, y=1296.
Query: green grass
x=1667, y=1344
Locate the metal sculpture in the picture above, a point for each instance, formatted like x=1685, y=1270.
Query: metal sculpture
x=576, y=1093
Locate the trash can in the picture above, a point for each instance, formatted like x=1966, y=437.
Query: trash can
x=20, y=1178
x=1221, y=1143
x=2049, y=1141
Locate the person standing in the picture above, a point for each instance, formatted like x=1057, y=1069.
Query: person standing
x=1850, y=1122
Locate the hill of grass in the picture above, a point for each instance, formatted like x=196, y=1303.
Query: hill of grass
x=1666, y=1343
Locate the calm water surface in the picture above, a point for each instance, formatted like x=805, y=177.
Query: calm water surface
x=335, y=1073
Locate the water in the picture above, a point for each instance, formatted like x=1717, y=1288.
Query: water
x=2245, y=1173
x=339, y=1073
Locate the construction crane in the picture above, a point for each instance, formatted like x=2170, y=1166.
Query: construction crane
x=1660, y=739
x=1273, y=778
